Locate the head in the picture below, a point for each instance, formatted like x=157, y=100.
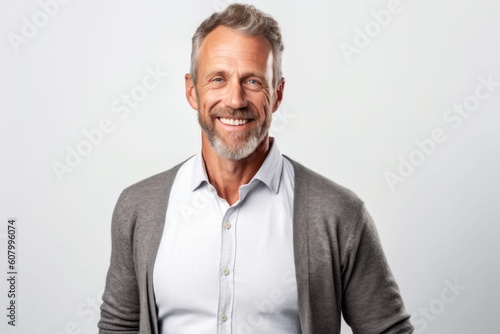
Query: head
x=249, y=21
x=235, y=81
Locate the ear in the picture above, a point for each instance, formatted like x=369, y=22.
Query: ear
x=191, y=92
x=278, y=94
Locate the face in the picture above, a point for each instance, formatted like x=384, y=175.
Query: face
x=234, y=94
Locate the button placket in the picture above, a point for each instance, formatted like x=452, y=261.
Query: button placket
x=226, y=278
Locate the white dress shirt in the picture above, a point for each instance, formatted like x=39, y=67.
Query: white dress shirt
x=228, y=269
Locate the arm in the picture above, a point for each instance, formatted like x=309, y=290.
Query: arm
x=120, y=311
x=371, y=299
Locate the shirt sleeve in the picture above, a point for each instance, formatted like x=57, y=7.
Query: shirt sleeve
x=371, y=299
x=120, y=309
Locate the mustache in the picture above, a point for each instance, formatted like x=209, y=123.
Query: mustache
x=233, y=113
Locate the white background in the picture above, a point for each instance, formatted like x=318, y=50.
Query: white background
x=349, y=119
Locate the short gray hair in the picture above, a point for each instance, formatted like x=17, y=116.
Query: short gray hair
x=248, y=20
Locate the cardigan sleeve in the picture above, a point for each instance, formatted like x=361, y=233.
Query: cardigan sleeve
x=371, y=299
x=120, y=309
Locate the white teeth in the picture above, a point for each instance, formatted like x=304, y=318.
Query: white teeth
x=231, y=121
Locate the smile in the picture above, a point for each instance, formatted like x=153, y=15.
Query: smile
x=232, y=121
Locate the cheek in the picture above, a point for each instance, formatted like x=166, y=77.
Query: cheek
x=209, y=99
x=268, y=97
x=261, y=99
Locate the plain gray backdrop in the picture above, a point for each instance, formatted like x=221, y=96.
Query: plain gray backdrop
x=396, y=100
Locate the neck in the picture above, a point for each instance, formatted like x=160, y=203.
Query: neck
x=228, y=175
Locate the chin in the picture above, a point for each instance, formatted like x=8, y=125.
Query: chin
x=235, y=153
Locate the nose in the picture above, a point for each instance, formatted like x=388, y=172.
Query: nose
x=235, y=96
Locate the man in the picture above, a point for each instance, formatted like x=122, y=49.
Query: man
x=238, y=238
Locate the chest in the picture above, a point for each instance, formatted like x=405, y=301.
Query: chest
x=232, y=267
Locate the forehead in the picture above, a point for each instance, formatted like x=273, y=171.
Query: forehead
x=227, y=46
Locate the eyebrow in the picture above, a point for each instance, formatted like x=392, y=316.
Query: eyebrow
x=244, y=74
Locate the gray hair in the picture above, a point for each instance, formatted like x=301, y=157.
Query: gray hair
x=248, y=20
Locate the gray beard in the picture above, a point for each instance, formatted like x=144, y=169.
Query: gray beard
x=239, y=152
x=233, y=154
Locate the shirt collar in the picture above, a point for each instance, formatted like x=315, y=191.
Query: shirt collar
x=269, y=173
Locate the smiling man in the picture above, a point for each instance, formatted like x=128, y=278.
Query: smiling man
x=239, y=238
x=232, y=88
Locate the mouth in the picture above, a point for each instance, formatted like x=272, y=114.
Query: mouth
x=234, y=121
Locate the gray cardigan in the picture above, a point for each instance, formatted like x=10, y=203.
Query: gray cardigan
x=339, y=262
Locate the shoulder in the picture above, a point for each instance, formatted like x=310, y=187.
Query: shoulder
x=151, y=189
x=324, y=195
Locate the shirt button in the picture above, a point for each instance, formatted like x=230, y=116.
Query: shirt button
x=223, y=317
x=227, y=225
x=225, y=271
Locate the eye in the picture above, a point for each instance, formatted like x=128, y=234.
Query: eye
x=218, y=80
x=253, y=84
